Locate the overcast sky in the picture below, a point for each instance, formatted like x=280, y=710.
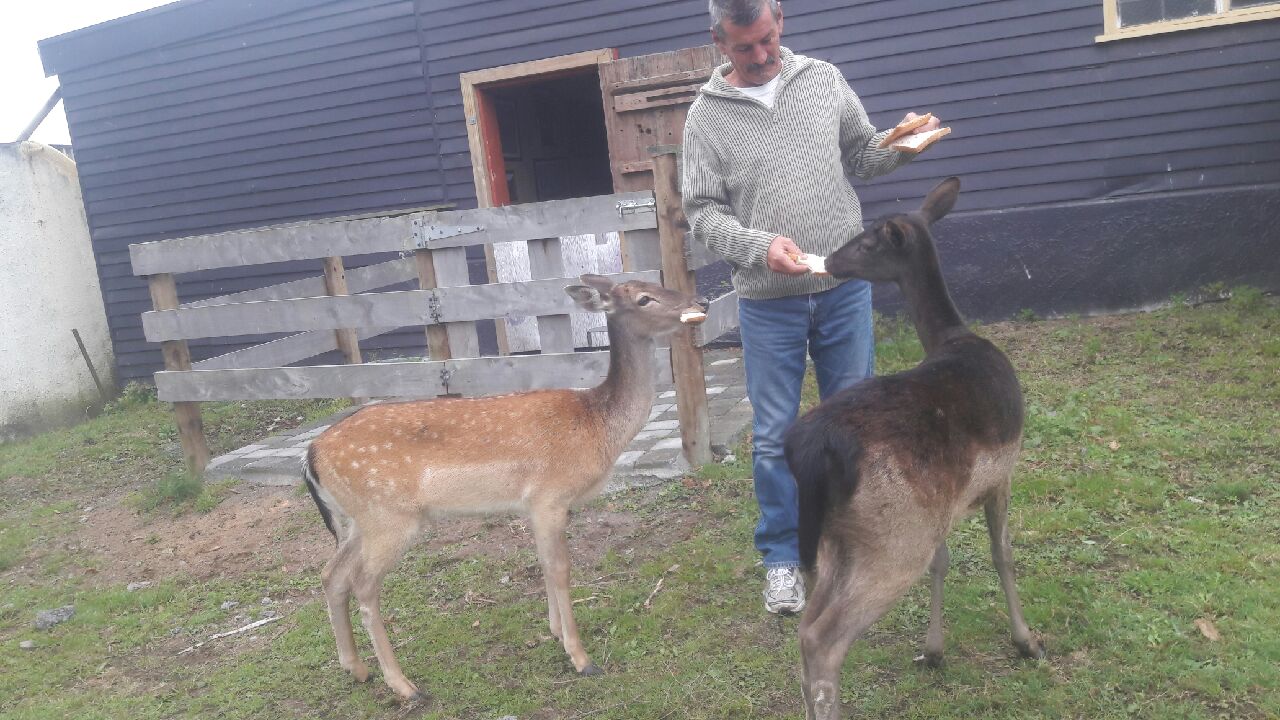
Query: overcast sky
x=24, y=85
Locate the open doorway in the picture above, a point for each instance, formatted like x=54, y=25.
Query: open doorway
x=537, y=132
x=552, y=137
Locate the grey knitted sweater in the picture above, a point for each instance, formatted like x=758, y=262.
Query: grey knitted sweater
x=752, y=173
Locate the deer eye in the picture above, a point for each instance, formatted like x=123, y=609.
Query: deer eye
x=644, y=300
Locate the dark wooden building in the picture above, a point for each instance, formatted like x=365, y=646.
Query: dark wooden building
x=1100, y=173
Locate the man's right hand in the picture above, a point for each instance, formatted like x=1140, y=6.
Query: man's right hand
x=780, y=257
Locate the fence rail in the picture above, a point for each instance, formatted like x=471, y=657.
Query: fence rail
x=338, y=309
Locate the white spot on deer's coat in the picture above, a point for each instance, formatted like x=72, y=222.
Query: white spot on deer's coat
x=355, y=465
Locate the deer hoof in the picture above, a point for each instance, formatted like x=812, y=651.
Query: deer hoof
x=1031, y=649
x=591, y=670
x=417, y=697
x=930, y=660
x=360, y=672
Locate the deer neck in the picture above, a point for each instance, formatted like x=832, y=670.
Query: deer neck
x=625, y=397
x=929, y=304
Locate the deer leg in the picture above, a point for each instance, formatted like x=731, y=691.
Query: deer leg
x=336, y=580
x=379, y=554
x=848, y=608
x=937, y=573
x=997, y=511
x=553, y=554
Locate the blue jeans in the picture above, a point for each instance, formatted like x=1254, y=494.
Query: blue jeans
x=834, y=327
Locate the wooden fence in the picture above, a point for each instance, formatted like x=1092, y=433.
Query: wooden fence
x=340, y=308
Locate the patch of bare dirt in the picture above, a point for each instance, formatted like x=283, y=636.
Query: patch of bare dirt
x=259, y=528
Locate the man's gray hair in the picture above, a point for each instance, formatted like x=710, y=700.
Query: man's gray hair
x=739, y=12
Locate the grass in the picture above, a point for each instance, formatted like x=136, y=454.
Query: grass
x=1145, y=508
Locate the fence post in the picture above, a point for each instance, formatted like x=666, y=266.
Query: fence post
x=335, y=283
x=164, y=296
x=686, y=358
x=437, y=335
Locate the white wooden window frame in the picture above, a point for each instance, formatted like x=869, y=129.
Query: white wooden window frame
x=1225, y=14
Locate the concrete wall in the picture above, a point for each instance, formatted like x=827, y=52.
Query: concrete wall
x=48, y=286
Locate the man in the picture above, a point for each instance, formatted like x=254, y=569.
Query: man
x=768, y=145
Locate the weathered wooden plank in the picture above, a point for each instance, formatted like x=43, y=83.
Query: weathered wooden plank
x=696, y=77
x=511, y=373
x=534, y=221
x=641, y=250
x=318, y=239
x=686, y=358
x=177, y=358
x=283, y=351
x=362, y=279
x=437, y=337
x=335, y=283
x=451, y=271
x=470, y=376
x=404, y=379
x=369, y=310
x=310, y=240
x=722, y=316
x=546, y=260
x=650, y=99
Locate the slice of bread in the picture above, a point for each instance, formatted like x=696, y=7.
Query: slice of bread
x=904, y=128
x=917, y=143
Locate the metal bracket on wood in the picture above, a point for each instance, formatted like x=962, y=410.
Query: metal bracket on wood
x=433, y=307
x=631, y=207
x=424, y=233
x=446, y=374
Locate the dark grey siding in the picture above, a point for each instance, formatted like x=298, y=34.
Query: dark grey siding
x=318, y=109
x=233, y=113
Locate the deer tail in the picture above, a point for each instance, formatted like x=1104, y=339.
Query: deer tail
x=313, y=486
x=825, y=466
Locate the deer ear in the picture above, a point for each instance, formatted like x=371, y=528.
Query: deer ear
x=599, y=282
x=588, y=298
x=940, y=200
x=896, y=233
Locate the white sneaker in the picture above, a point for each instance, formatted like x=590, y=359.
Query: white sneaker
x=784, y=593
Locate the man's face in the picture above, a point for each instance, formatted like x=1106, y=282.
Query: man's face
x=753, y=49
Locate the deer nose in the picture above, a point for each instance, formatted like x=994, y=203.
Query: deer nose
x=701, y=302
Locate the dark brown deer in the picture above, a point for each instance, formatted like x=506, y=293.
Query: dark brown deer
x=381, y=475
x=886, y=467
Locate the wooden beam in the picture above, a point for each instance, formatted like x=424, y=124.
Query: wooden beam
x=722, y=315
x=437, y=337
x=335, y=284
x=452, y=272
x=555, y=332
x=311, y=241
x=370, y=310
x=306, y=240
x=536, y=221
x=282, y=351
x=558, y=64
x=361, y=279
x=686, y=358
x=177, y=358
x=468, y=376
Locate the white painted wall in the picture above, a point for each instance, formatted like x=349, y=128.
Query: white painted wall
x=48, y=285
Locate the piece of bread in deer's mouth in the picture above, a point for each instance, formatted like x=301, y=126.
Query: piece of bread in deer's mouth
x=917, y=143
x=691, y=317
x=904, y=128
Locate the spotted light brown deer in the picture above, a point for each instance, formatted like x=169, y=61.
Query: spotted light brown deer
x=381, y=475
x=886, y=467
